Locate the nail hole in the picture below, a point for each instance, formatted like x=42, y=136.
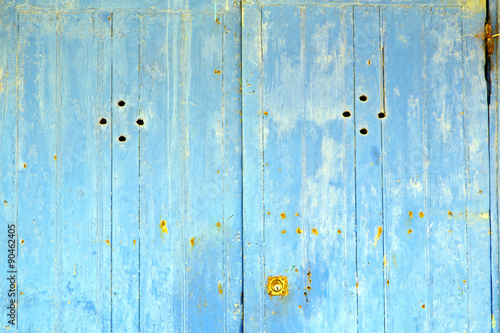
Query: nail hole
x=121, y=103
x=122, y=139
x=363, y=131
x=363, y=98
x=140, y=122
x=346, y=114
x=103, y=121
x=381, y=115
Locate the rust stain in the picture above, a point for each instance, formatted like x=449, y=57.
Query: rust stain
x=314, y=231
x=192, y=241
x=423, y=306
x=25, y=165
x=300, y=306
x=268, y=213
x=296, y=270
x=450, y=213
x=266, y=113
x=465, y=281
x=387, y=281
x=357, y=284
x=55, y=157
x=217, y=20
x=21, y=293
x=107, y=242
x=283, y=216
x=339, y=232
x=377, y=237
x=299, y=231
x=134, y=241
x=421, y=214
x=410, y=231
x=163, y=226
x=296, y=214
x=109, y=18
x=216, y=71
x=283, y=232
x=218, y=172
x=369, y=62
x=22, y=241
x=220, y=288
x=218, y=224
x=411, y=214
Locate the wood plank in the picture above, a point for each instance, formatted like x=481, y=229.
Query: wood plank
x=405, y=154
x=369, y=210
x=125, y=172
x=81, y=165
x=446, y=182
x=328, y=210
x=38, y=191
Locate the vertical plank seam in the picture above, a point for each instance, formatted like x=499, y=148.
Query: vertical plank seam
x=385, y=267
x=466, y=167
x=15, y=162
x=225, y=154
x=139, y=79
x=58, y=254
x=112, y=173
x=355, y=168
x=262, y=248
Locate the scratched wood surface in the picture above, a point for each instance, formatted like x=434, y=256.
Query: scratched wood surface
x=161, y=159
x=386, y=207
x=122, y=142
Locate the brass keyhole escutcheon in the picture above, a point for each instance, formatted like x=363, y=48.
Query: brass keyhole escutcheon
x=277, y=286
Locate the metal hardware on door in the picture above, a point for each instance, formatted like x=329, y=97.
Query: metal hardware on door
x=277, y=286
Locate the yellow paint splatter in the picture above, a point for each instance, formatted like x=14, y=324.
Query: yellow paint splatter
x=22, y=241
x=299, y=231
x=192, y=241
x=55, y=157
x=25, y=165
x=385, y=261
x=220, y=288
x=450, y=213
x=296, y=214
x=410, y=231
x=377, y=237
x=163, y=226
x=283, y=216
x=411, y=214
x=134, y=241
x=218, y=224
x=216, y=71
x=421, y=214
x=266, y=113
x=339, y=232
x=314, y=231
x=283, y=232
x=217, y=20
x=423, y=306
x=107, y=242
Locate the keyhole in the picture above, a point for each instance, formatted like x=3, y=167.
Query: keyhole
x=277, y=285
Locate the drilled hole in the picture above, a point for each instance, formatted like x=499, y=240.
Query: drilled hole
x=363, y=98
x=346, y=114
x=103, y=121
x=363, y=131
x=122, y=139
x=381, y=115
x=121, y=103
x=140, y=122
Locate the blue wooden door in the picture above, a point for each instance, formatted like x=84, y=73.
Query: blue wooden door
x=121, y=166
x=163, y=162
x=367, y=168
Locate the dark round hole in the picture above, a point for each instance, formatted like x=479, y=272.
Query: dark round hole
x=363, y=131
x=381, y=115
x=140, y=122
x=122, y=138
x=103, y=121
x=346, y=114
x=363, y=98
x=121, y=103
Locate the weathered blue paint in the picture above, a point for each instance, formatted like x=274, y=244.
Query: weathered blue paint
x=395, y=230
x=424, y=254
